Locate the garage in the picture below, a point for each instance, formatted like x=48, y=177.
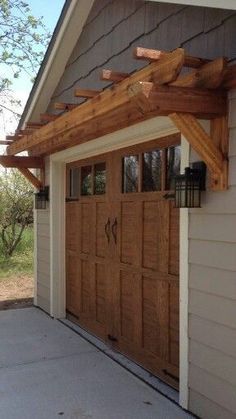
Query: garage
x=122, y=252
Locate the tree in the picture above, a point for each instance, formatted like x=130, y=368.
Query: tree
x=16, y=209
x=23, y=39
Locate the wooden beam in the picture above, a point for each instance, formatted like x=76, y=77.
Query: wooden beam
x=153, y=55
x=167, y=99
x=3, y=142
x=169, y=67
x=13, y=137
x=26, y=131
x=64, y=106
x=22, y=162
x=209, y=76
x=113, y=76
x=229, y=81
x=115, y=99
x=47, y=117
x=86, y=93
x=202, y=143
x=30, y=177
x=34, y=125
x=219, y=133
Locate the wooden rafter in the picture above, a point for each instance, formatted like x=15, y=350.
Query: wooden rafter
x=5, y=142
x=203, y=144
x=34, y=125
x=86, y=93
x=64, y=106
x=22, y=162
x=13, y=137
x=153, y=55
x=113, y=76
x=47, y=117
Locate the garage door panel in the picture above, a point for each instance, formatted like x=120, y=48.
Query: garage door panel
x=85, y=227
x=100, y=292
x=85, y=275
x=127, y=254
x=130, y=237
x=101, y=222
x=174, y=241
x=156, y=235
x=156, y=317
x=72, y=283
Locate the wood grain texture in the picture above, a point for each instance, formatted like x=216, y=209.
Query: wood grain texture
x=127, y=283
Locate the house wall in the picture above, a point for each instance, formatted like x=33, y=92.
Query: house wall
x=43, y=253
x=113, y=29
x=212, y=297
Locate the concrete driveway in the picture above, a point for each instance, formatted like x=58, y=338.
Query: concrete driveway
x=48, y=371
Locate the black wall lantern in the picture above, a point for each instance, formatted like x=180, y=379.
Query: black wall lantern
x=188, y=186
x=41, y=198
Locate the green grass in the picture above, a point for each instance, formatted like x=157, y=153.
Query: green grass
x=22, y=260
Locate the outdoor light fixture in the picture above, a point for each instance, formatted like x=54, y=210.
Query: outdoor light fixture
x=41, y=198
x=188, y=186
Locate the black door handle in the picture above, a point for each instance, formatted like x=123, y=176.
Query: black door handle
x=114, y=230
x=108, y=229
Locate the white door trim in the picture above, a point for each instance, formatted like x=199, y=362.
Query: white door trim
x=183, y=289
x=142, y=132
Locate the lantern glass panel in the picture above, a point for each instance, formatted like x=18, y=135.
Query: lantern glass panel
x=187, y=190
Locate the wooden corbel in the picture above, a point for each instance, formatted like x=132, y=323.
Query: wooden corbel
x=23, y=163
x=212, y=149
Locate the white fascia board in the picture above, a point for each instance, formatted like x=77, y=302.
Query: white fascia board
x=66, y=40
x=219, y=4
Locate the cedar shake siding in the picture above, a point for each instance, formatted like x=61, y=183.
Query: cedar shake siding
x=115, y=28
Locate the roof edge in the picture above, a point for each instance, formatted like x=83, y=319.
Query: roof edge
x=71, y=10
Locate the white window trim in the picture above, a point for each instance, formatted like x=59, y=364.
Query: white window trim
x=139, y=133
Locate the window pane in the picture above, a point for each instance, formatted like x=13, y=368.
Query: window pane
x=86, y=180
x=173, y=165
x=74, y=183
x=130, y=174
x=100, y=179
x=152, y=171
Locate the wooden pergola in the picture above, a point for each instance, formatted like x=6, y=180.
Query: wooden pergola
x=161, y=88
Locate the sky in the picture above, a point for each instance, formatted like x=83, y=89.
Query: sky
x=50, y=10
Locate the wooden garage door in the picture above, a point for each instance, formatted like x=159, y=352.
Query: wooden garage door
x=123, y=253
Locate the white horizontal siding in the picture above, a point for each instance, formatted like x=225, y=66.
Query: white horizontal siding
x=212, y=334
x=213, y=361
x=212, y=297
x=201, y=404
x=212, y=280
x=214, y=254
x=212, y=387
x=216, y=227
x=211, y=307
